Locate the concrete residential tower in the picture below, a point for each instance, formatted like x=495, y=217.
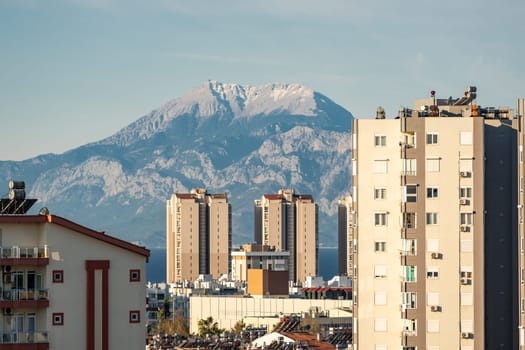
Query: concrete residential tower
x=288, y=222
x=435, y=227
x=198, y=235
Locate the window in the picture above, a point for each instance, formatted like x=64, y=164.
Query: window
x=465, y=192
x=409, y=326
x=380, y=193
x=380, y=140
x=381, y=347
x=380, y=325
x=467, y=326
x=432, y=272
x=58, y=318
x=408, y=167
x=134, y=316
x=380, y=166
x=433, y=245
x=409, y=220
x=379, y=246
x=466, y=245
x=465, y=165
x=466, y=272
x=465, y=218
x=467, y=299
x=380, y=219
x=409, y=300
x=432, y=299
x=432, y=138
x=380, y=298
x=465, y=138
x=410, y=193
x=432, y=218
x=134, y=275
x=433, y=326
x=408, y=247
x=380, y=271
x=432, y=192
x=433, y=164
x=409, y=273
x=58, y=276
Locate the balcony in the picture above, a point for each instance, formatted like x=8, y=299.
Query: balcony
x=24, y=256
x=23, y=298
x=24, y=341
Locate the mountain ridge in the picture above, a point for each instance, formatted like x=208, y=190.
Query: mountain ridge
x=241, y=140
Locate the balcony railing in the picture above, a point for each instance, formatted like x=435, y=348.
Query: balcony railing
x=23, y=337
x=16, y=252
x=24, y=294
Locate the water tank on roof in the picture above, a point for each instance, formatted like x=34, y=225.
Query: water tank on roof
x=18, y=194
x=17, y=185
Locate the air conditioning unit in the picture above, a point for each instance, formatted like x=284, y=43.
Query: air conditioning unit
x=466, y=335
x=464, y=174
x=435, y=255
x=463, y=201
x=435, y=308
x=7, y=311
x=7, y=268
x=464, y=281
x=464, y=228
x=7, y=278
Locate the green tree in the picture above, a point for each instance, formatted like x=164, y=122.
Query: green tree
x=238, y=327
x=208, y=326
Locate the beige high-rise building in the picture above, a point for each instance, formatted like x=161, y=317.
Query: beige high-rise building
x=435, y=227
x=198, y=235
x=288, y=222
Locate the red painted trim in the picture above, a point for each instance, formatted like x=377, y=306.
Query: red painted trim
x=91, y=266
x=17, y=219
x=30, y=304
x=60, y=274
x=24, y=261
x=133, y=313
x=58, y=314
x=132, y=272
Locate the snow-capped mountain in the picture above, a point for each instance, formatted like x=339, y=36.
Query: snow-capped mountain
x=242, y=140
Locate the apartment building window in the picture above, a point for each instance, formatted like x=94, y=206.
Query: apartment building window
x=409, y=220
x=134, y=275
x=380, y=271
x=58, y=276
x=465, y=192
x=380, y=325
x=433, y=164
x=466, y=272
x=432, y=138
x=408, y=246
x=380, y=219
x=432, y=298
x=432, y=192
x=466, y=246
x=432, y=245
x=58, y=318
x=380, y=166
x=467, y=299
x=410, y=326
x=409, y=273
x=465, y=137
x=410, y=193
x=379, y=246
x=134, y=316
x=380, y=298
x=380, y=140
x=409, y=300
x=408, y=167
x=432, y=272
x=432, y=218
x=465, y=218
x=433, y=326
x=379, y=193
x=381, y=347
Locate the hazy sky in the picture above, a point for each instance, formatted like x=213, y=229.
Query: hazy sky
x=73, y=72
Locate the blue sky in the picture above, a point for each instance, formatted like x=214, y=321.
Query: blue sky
x=73, y=72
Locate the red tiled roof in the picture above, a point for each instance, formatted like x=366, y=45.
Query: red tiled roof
x=34, y=219
x=310, y=339
x=273, y=196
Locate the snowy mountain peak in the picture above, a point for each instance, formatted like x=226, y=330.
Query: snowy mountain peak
x=215, y=105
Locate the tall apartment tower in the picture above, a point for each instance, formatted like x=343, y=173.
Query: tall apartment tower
x=344, y=263
x=288, y=222
x=436, y=227
x=198, y=235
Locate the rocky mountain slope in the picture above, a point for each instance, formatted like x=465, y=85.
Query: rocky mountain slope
x=241, y=140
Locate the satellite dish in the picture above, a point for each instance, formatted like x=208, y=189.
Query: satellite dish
x=44, y=211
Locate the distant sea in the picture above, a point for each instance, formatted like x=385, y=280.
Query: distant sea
x=156, y=268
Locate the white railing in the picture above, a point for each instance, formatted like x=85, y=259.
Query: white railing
x=23, y=337
x=16, y=252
